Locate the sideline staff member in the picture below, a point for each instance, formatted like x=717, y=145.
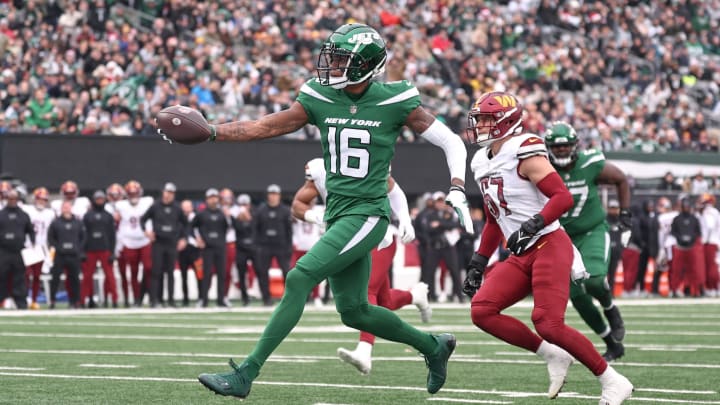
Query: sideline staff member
x=14, y=225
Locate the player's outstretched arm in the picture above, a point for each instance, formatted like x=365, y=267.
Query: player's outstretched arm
x=301, y=203
x=437, y=133
x=269, y=126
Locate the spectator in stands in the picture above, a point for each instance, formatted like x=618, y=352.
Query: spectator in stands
x=669, y=183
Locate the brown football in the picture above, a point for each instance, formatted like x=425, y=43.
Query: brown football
x=183, y=125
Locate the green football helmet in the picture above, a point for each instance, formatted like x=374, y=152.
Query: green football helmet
x=352, y=54
x=561, y=134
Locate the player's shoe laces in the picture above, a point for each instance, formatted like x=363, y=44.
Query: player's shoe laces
x=615, y=387
x=558, y=363
x=617, y=326
x=437, y=362
x=419, y=294
x=362, y=363
x=236, y=383
x=614, y=352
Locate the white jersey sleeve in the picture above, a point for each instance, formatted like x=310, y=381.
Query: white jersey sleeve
x=711, y=220
x=230, y=236
x=511, y=198
x=315, y=171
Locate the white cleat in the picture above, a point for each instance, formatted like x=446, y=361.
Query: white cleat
x=362, y=363
x=419, y=294
x=558, y=363
x=615, y=387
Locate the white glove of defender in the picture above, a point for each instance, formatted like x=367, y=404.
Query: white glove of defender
x=456, y=199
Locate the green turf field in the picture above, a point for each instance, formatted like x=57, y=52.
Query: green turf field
x=154, y=356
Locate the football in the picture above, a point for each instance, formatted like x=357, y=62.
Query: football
x=183, y=125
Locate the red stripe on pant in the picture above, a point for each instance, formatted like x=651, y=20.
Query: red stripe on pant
x=543, y=271
x=630, y=261
x=712, y=278
x=88, y=268
x=33, y=271
x=230, y=254
x=133, y=258
x=379, y=291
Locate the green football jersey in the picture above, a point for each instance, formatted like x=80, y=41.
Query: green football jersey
x=587, y=211
x=358, y=136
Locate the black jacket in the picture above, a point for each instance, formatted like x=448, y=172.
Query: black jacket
x=67, y=236
x=212, y=226
x=14, y=225
x=243, y=233
x=100, y=228
x=436, y=235
x=272, y=226
x=686, y=229
x=169, y=222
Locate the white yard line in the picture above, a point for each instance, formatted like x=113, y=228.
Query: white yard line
x=11, y=368
x=468, y=401
x=511, y=394
x=526, y=304
x=91, y=365
x=459, y=359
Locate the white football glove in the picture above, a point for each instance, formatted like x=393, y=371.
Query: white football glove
x=456, y=199
x=315, y=217
x=406, y=231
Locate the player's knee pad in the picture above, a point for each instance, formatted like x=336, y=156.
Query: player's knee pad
x=298, y=282
x=355, y=317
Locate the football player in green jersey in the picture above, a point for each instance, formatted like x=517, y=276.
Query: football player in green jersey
x=585, y=222
x=359, y=122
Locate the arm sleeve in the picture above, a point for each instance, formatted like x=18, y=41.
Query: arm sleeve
x=560, y=201
x=149, y=214
x=491, y=236
x=455, y=153
x=83, y=236
x=399, y=204
x=52, y=239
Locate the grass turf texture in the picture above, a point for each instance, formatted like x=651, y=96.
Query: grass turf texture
x=65, y=357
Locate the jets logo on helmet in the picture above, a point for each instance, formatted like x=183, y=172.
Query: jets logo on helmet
x=493, y=116
x=351, y=55
x=561, y=141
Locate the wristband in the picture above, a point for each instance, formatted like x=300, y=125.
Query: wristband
x=458, y=188
x=311, y=217
x=213, y=134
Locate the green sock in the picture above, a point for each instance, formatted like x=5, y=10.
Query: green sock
x=589, y=313
x=283, y=320
x=384, y=323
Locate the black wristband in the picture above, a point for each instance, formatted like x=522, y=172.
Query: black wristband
x=458, y=188
x=479, y=259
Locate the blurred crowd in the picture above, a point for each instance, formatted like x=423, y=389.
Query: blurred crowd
x=629, y=75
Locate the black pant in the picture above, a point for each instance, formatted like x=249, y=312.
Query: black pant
x=186, y=260
x=70, y=263
x=615, y=255
x=642, y=269
x=263, y=258
x=12, y=269
x=213, y=258
x=242, y=255
x=163, y=262
x=430, y=264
